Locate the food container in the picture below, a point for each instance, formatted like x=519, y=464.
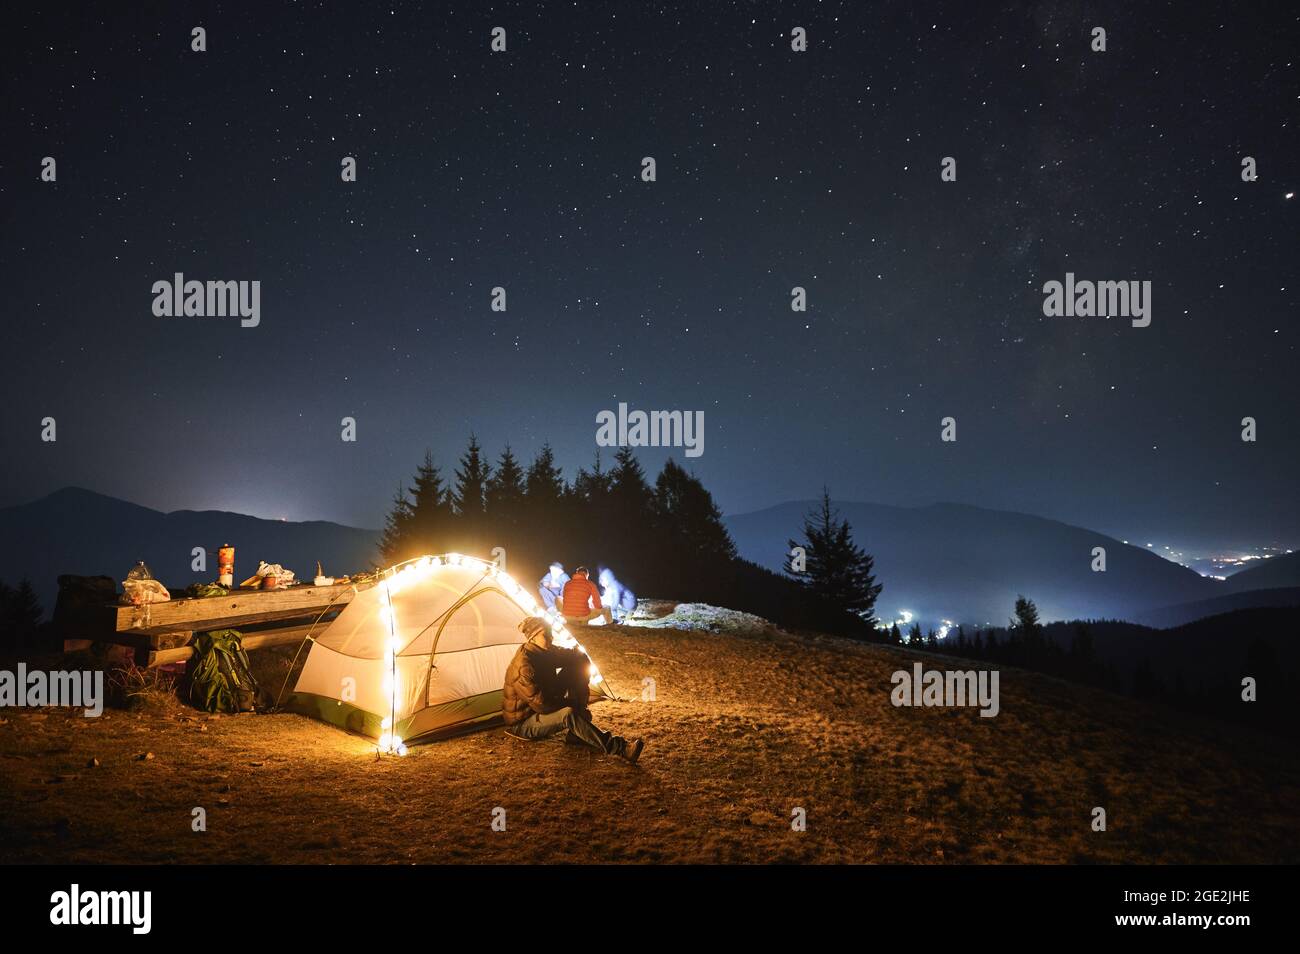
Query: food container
x=226, y=565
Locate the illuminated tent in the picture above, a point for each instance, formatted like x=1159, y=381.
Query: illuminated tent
x=423, y=653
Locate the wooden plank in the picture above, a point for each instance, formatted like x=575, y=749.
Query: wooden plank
x=241, y=607
x=170, y=640
x=272, y=637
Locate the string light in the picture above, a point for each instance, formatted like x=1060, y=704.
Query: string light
x=399, y=577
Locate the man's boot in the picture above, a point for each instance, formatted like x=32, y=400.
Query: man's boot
x=632, y=749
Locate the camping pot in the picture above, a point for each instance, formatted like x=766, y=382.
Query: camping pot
x=226, y=565
x=270, y=582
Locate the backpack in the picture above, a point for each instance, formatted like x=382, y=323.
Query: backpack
x=220, y=680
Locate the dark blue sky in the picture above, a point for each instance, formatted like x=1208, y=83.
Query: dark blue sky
x=775, y=169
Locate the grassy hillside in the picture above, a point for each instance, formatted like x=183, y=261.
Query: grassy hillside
x=749, y=723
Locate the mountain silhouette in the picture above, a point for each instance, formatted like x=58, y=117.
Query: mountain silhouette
x=1274, y=573
x=81, y=532
x=1166, y=617
x=967, y=564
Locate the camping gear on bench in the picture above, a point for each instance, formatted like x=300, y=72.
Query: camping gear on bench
x=269, y=576
x=140, y=587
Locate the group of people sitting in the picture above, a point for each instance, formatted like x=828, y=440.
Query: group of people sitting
x=578, y=599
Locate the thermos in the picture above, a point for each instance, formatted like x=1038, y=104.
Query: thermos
x=226, y=565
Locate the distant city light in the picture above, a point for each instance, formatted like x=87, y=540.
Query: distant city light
x=905, y=617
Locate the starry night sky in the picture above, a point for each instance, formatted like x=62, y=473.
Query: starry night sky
x=775, y=169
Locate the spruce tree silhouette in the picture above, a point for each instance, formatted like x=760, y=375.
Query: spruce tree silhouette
x=504, y=497
x=20, y=614
x=469, y=499
x=396, y=540
x=837, y=570
x=431, y=524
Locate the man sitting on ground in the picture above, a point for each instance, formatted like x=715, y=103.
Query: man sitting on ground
x=547, y=691
x=581, y=603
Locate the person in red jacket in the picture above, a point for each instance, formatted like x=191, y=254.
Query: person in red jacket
x=581, y=600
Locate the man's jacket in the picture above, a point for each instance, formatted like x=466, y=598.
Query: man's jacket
x=532, y=684
x=580, y=597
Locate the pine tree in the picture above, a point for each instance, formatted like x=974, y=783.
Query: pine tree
x=629, y=492
x=1026, y=619
x=430, y=521
x=22, y=614
x=395, y=542
x=686, y=511
x=504, y=496
x=914, y=636
x=837, y=570
x=591, y=487
x=471, y=485
x=1027, y=632
x=630, y=508
x=544, y=485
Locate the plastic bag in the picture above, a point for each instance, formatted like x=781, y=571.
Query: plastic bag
x=138, y=592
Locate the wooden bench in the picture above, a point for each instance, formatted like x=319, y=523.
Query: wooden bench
x=161, y=633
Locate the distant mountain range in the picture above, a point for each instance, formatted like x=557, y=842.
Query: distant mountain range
x=1274, y=573
x=88, y=534
x=945, y=561
x=968, y=564
x=1169, y=616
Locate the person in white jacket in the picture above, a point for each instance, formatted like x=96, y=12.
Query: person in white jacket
x=551, y=586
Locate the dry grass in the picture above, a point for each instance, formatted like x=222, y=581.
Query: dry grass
x=744, y=729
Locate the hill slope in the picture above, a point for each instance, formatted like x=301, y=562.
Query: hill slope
x=744, y=729
x=81, y=532
x=967, y=564
x=1170, y=616
x=1278, y=572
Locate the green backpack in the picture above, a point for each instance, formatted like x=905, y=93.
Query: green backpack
x=220, y=680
